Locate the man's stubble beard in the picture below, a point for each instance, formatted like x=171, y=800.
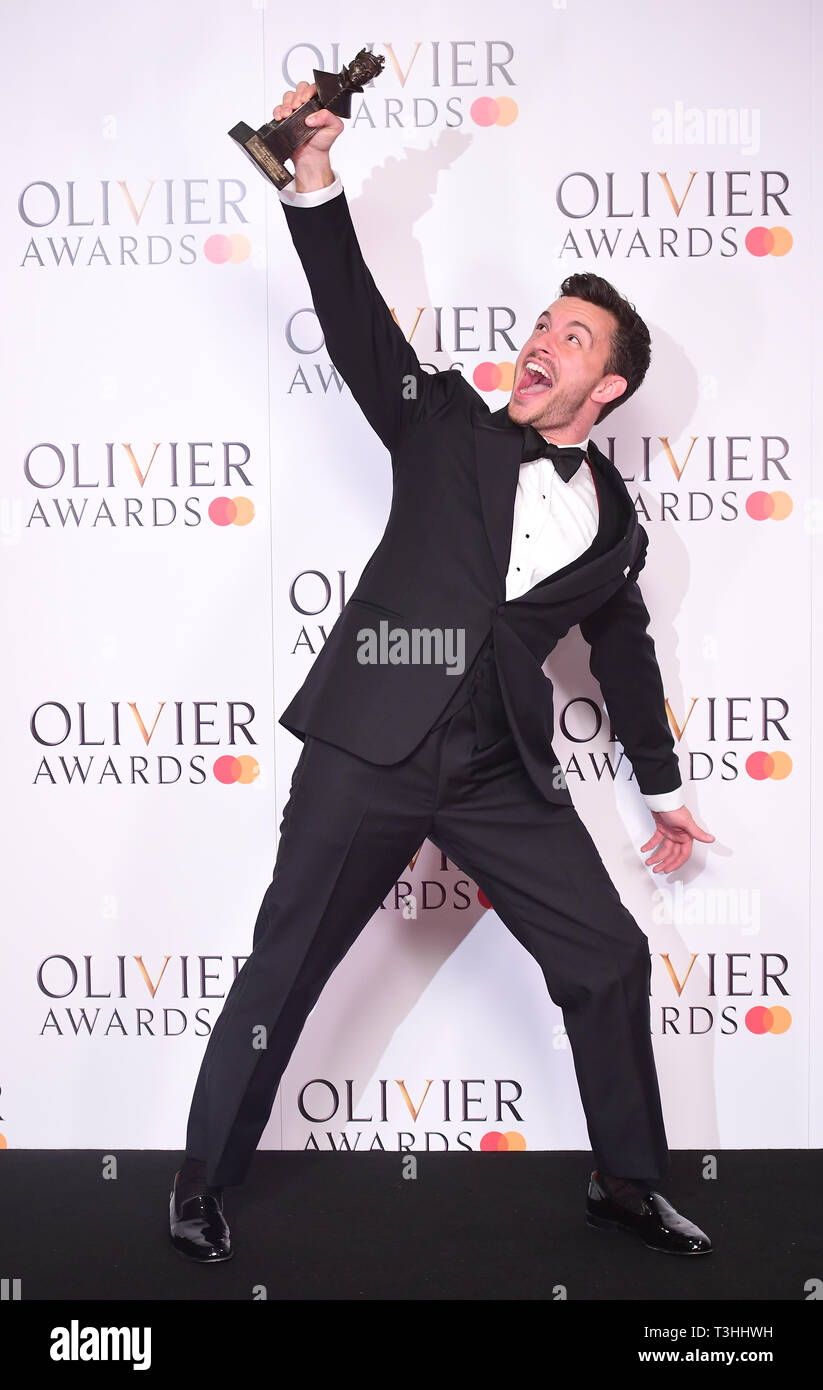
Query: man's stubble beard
x=558, y=413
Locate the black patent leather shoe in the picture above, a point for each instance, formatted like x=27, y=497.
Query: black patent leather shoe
x=650, y=1217
x=198, y=1227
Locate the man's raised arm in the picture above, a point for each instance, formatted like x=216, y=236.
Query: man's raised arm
x=364, y=342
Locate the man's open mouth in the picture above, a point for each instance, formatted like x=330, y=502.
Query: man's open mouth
x=534, y=380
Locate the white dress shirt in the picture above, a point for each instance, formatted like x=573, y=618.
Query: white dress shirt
x=554, y=521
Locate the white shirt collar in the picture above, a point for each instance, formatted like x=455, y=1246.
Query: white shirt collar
x=579, y=444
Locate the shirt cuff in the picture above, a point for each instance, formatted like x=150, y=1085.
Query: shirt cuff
x=313, y=199
x=665, y=801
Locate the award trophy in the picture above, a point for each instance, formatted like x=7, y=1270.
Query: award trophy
x=269, y=146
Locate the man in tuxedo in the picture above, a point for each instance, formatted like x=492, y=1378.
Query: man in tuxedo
x=506, y=528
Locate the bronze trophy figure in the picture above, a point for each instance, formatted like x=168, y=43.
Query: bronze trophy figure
x=274, y=142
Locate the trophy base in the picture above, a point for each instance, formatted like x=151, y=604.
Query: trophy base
x=268, y=164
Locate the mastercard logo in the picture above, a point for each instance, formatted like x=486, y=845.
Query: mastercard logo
x=227, y=250
x=494, y=376
x=769, y=506
x=769, y=241
x=494, y=1142
x=228, y=769
x=762, y=765
x=231, y=511
x=493, y=111
x=773, y=1020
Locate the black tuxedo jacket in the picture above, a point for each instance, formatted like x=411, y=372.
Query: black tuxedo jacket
x=443, y=557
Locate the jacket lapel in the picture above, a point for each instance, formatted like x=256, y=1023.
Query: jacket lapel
x=499, y=453
x=619, y=542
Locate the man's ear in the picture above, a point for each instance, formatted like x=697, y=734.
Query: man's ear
x=609, y=389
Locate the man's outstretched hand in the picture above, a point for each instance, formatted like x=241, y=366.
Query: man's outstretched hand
x=671, y=843
x=312, y=166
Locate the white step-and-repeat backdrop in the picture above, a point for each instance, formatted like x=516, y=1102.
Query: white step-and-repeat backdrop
x=189, y=494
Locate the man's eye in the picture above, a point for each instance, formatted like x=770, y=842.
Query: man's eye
x=541, y=325
x=574, y=337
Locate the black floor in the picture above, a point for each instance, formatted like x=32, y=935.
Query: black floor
x=472, y=1226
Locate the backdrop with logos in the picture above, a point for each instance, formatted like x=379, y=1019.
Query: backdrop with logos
x=190, y=493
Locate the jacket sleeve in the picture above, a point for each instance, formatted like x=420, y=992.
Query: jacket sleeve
x=363, y=340
x=623, y=661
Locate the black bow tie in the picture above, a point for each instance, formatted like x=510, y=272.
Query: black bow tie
x=566, y=458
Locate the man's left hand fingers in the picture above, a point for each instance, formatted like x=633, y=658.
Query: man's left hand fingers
x=662, y=852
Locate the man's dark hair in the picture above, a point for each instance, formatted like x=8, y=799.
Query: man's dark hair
x=631, y=345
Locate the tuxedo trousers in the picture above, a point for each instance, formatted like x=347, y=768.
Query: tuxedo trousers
x=348, y=832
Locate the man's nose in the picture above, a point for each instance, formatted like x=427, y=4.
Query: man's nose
x=544, y=349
